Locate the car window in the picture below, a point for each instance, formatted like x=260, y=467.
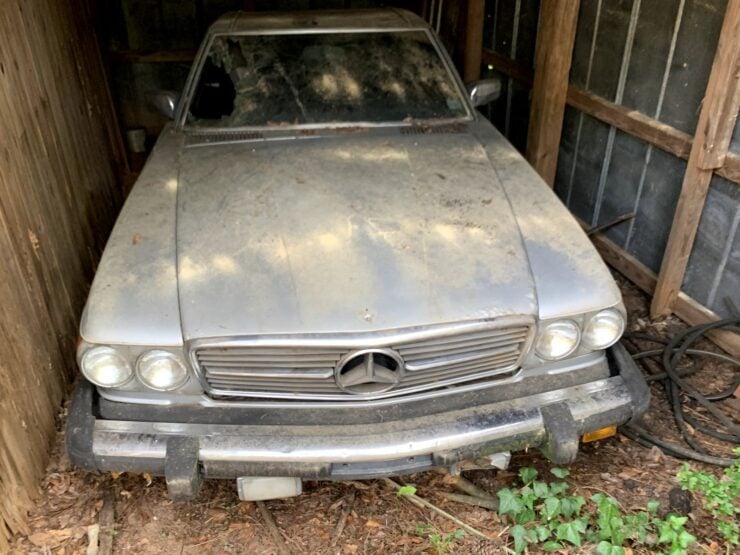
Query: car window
x=322, y=78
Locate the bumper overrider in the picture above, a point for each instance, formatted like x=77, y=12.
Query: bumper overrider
x=225, y=442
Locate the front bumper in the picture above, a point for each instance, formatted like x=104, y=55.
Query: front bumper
x=184, y=452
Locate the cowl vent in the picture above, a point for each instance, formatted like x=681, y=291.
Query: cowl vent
x=223, y=137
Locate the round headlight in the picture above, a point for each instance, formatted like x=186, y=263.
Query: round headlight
x=603, y=329
x=161, y=370
x=557, y=340
x=106, y=367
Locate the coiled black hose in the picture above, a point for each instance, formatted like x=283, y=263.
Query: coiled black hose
x=672, y=377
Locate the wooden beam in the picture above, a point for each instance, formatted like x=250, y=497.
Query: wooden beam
x=632, y=122
x=507, y=66
x=722, y=99
x=686, y=308
x=555, y=38
x=711, y=138
x=474, y=19
x=635, y=123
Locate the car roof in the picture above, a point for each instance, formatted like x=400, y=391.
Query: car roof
x=388, y=18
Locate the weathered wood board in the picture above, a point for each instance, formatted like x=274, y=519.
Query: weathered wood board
x=58, y=198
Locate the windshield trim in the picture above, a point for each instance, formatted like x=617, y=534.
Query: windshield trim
x=194, y=77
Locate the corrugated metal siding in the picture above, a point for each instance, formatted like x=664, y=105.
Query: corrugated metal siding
x=713, y=275
x=654, y=57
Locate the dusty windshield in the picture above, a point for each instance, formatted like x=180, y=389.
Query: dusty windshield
x=278, y=80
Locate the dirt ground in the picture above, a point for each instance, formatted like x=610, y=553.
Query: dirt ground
x=375, y=520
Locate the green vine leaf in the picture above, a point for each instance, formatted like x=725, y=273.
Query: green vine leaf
x=527, y=475
x=560, y=472
x=406, y=490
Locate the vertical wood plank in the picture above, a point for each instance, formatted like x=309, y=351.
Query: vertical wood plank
x=555, y=38
x=475, y=17
x=722, y=98
x=58, y=199
x=711, y=140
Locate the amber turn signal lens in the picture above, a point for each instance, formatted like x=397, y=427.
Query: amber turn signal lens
x=601, y=433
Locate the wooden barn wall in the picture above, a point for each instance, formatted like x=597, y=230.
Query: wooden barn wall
x=652, y=56
x=713, y=275
x=178, y=26
x=58, y=198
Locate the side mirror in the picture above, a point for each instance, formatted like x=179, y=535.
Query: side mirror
x=163, y=102
x=484, y=91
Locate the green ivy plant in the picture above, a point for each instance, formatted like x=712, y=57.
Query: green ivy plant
x=720, y=496
x=406, y=490
x=546, y=514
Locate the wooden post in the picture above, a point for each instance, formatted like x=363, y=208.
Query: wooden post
x=555, y=38
x=473, y=39
x=708, y=151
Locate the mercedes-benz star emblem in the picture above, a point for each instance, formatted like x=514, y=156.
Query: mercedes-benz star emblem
x=369, y=371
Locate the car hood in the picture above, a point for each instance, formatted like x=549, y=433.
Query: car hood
x=345, y=234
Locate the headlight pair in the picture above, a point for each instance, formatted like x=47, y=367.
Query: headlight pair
x=561, y=338
x=158, y=370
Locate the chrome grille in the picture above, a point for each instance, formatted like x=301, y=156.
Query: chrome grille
x=434, y=358
x=265, y=369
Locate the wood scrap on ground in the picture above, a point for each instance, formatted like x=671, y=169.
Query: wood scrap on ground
x=272, y=526
x=472, y=500
x=348, y=503
x=423, y=503
x=107, y=521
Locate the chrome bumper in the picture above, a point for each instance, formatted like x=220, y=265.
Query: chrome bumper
x=185, y=452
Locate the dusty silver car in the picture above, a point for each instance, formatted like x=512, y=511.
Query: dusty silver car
x=332, y=267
